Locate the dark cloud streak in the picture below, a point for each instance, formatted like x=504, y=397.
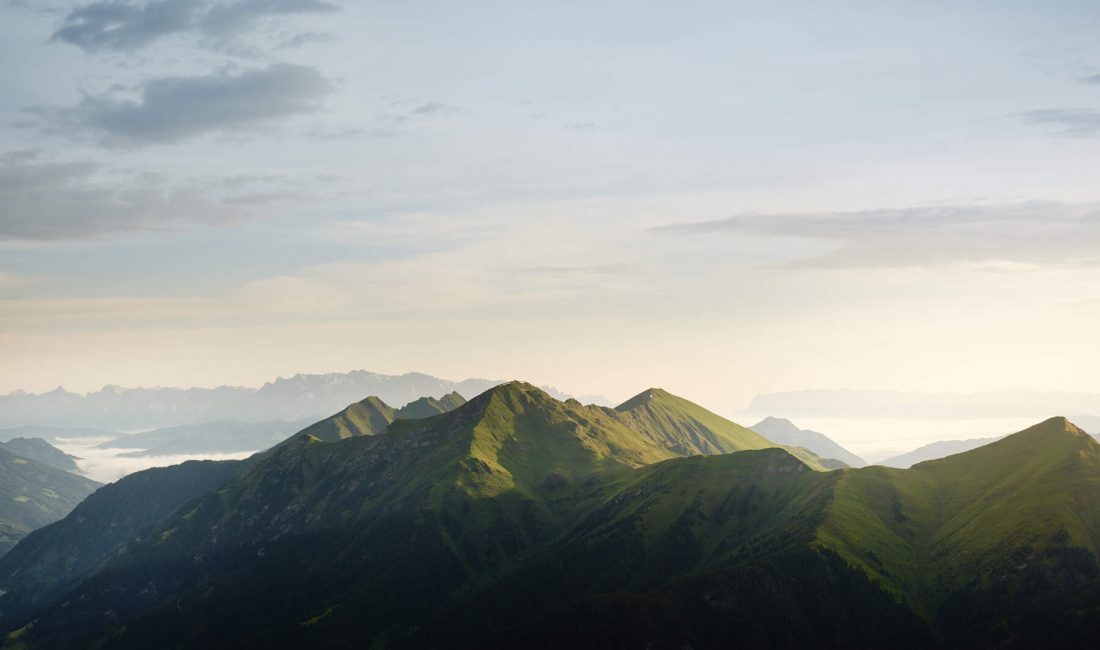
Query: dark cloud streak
x=175, y=108
x=1075, y=122
x=116, y=25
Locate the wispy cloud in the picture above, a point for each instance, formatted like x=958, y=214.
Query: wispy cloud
x=579, y=271
x=46, y=200
x=175, y=108
x=434, y=108
x=1077, y=122
x=117, y=25
x=305, y=38
x=992, y=237
x=12, y=280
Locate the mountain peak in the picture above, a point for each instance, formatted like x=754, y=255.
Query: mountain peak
x=515, y=389
x=774, y=424
x=645, y=397
x=1048, y=440
x=1055, y=426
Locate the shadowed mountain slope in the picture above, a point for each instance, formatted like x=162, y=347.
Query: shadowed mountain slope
x=51, y=559
x=33, y=494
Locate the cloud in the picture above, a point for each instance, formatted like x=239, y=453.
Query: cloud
x=991, y=237
x=1091, y=79
x=432, y=109
x=175, y=108
x=44, y=200
x=575, y=271
x=1077, y=122
x=305, y=38
x=116, y=25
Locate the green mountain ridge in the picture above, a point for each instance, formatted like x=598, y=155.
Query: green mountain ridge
x=516, y=519
x=372, y=416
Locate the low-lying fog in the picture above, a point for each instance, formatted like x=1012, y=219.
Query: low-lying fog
x=105, y=466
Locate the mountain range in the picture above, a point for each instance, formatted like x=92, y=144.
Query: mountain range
x=290, y=399
x=516, y=519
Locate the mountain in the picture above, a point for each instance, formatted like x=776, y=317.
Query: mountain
x=426, y=407
x=53, y=434
x=688, y=429
x=786, y=433
x=41, y=451
x=290, y=399
x=479, y=485
x=940, y=449
x=372, y=416
x=206, y=438
x=366, y=417
x=33, y=494
x=520, y=520
x=50, y=560
x=996, y=546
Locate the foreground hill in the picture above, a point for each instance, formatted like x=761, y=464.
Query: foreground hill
x=51, y=559
x=994, y=532
x=33, y=494
x=520, y=520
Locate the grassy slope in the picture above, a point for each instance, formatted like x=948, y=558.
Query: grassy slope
x=699, y=551
x=368, y=417
x=372, y=416
x=41, y=451
x=54, y=557
x=928, y=530
x=689, y=429
x=33, y=494
x=482, y=507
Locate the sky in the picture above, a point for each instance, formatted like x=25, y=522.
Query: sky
x=722, y=199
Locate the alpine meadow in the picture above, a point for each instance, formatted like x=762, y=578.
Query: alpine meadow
x=665, y=325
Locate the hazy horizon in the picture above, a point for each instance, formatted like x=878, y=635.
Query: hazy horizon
x=875, y=424
x=719, y=200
